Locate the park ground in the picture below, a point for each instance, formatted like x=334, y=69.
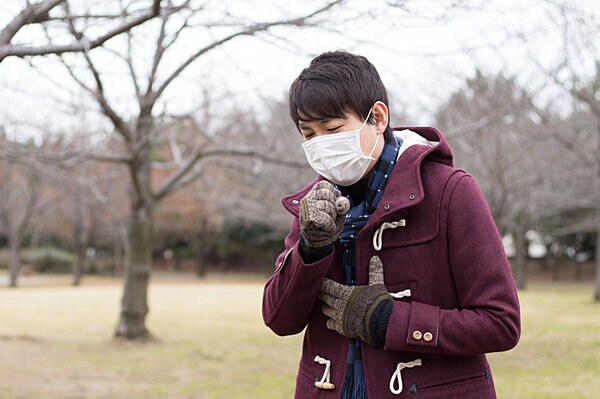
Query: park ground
x=56, y=342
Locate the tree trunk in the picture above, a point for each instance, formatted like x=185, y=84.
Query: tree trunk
x=201, y=244
x=200, y=264
x=14, y=261
x=552, y=263
x=79, y=265
x=520, y=258
x=134, y=304
x=578, y=270
x=597, y=258
x=117, y=269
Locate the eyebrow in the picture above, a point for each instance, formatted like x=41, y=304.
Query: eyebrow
x=321, y=120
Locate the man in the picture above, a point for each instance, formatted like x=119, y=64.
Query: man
x=393, y=263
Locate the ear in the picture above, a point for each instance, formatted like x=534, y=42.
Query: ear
x=381, y=115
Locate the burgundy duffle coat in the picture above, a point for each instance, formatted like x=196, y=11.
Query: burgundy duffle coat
x=446, y=250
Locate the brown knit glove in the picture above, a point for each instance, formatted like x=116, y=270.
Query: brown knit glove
x=350, y=307
x=322, y=213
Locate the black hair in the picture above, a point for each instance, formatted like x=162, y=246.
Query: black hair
x=334, y=84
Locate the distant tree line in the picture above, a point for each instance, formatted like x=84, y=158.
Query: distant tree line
x=535, y=168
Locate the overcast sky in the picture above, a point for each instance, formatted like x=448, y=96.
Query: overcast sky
x=423, y=54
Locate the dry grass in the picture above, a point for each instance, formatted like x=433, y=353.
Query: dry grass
x=559, y=352
x=56, y=342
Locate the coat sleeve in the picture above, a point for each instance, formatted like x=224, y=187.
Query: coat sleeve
x=488, y=319
x=291, y=293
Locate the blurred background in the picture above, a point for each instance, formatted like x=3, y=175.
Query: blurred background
x=150, y=140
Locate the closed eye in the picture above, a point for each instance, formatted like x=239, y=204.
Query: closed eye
x=334, y=129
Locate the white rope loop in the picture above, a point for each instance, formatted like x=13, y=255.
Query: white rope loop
x=401, y=294
x=397, y=376
x=324, y=382
x=378, y=236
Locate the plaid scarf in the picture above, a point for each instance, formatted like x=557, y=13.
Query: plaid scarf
x=356, y=219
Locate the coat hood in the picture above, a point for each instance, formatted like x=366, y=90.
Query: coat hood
x=440, y=149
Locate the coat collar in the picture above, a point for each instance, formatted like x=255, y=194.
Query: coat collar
x=405, y=187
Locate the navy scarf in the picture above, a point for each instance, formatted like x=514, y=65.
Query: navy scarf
x=356, y=219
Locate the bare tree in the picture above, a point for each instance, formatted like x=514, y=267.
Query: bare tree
x=576, y=73
x=257, y=183
x=18, y=201
x=138, y=134
x=50, y=12
x=79, y=212
x=191, y=224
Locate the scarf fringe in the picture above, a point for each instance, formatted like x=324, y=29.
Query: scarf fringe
x=348, y=386
x=360, y=391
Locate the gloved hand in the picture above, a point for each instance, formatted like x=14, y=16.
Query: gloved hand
x=353, y=309
x=322, y=213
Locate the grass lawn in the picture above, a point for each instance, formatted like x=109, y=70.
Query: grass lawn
x=56, y=343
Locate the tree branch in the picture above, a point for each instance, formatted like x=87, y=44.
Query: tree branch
x=6, y=49
x=172, y=182
x=158, y=53
x=120, y=125
x=32, y=13
x=246, y=32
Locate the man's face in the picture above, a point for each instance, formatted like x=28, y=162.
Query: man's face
x=320, y=127
x=369, y=144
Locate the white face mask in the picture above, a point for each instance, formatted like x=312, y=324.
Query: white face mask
x=338, y=157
